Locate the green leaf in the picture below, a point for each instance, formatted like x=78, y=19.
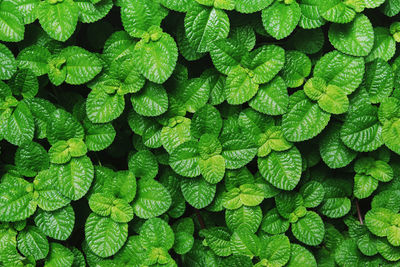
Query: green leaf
x=275, y=249
x=9, y=65
x=355, y=38
x=91, y=12
x=251, y=6
x=333, y=100
x=212, y=169
x=156, y=58
x=335, y=207
x=98, y=136
x=104, y=236
x=379, y=80
x=20, y=126
x=31, y=158
x=59, y=256
x=282, y=169
x=237, y=150
x=297, y=67
x=248, y=217
x=198, y=192
x=156, y=233
x=364, y=185
x=35, y=58
x=240, y=86
x=246, y=194
x=59, y=19
x=309, y=229
x=184, y=159
x=143, y=164
x=49, y=198
x=175, y=133
x=11, y=23
x=280, y=19
x=384, y=45
x=32, y=242
x=25, y=83
x=152, y=199
x=271, y=98
x=388, y=251
x=342, y=70
x=226, y=54
x=313, y=194
x=152, y=100
x=75, y=177
x=310, y=15
x=378, y=221
x=218, y=239
x=391, y=8
x=194, y=94
x=177, y=5
x=204, y=25
x=300, y=256
x=333, y=151
x=56, y=224
x=336, y=11
x=81, y=66
x=390, y=133
x=206, y=120
x=304, y=119
x=361, y=130
x=102, y=107
x=243, y=242
x=264, y=63
x=17, y=201
x=138, y=16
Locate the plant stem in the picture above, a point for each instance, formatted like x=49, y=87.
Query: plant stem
x=359, y=213
x=201, y=221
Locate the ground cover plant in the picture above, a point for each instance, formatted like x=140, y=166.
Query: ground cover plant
x=199, y=133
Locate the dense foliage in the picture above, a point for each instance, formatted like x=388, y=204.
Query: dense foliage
x=199, y=133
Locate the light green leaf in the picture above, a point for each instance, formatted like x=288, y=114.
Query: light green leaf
x=336, y=11
x=390, y=132
x=32, y=242
x=75, y=177
x=334, y=100
x=309, y=229
x=204, y=25
x=310, y=15
x=104, y=236
x=56, y=224
x=355, y=38
x=156, y=58
x=177, y=5
x=282, y=169
x=175, y=133
x=280, y=19
x=198, y=192
x=297, y=67
x=384, y=45
x=58, y=19
x=152, y=100
x=152, y=199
